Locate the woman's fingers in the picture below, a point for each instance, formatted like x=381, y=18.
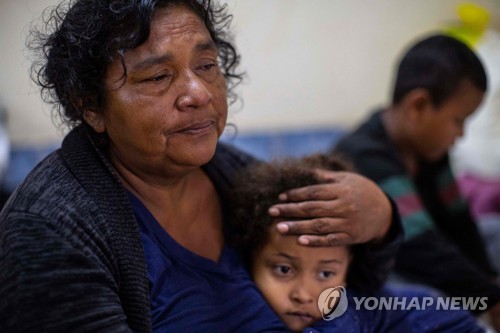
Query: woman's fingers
x=317, y=226
x=319, y=231
x=324, y=191
x=357, y=202
x=304, y=209
x=334, y=239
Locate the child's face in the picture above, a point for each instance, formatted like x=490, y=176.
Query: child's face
x=438, y=128
x=291, y=276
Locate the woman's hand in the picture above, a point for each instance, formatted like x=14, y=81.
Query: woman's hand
x=349, y=209
x=494, y=313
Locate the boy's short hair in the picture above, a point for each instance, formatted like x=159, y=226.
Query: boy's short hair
x=257, y=188
x=438, y=64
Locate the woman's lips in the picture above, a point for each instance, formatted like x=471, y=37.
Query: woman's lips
x=198, y=128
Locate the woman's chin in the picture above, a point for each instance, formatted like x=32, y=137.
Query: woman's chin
x=197, y=154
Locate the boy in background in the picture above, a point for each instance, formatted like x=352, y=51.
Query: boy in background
x=404, y=148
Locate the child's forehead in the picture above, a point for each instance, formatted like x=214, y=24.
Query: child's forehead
x=288, y=245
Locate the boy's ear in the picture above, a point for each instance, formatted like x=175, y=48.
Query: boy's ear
x=417, y=102
x=95, y=120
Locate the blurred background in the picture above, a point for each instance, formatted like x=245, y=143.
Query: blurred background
x=314, y=69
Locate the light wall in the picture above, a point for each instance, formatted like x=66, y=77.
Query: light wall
x=322, y=63
x=29, y=120
x=310, y=63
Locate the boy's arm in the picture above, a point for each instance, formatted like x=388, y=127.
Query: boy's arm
x=432, y=258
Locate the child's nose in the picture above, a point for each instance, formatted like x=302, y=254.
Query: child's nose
x=301, y=294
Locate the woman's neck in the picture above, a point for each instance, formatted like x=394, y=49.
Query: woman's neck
x=187, y=206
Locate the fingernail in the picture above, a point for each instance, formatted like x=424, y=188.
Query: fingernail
x=274, y=211
x=282, y=196
x=303, y=240
x=282, y=227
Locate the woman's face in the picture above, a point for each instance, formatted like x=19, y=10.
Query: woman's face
x=169, y=112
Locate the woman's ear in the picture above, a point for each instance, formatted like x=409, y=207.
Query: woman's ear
x=95, y=120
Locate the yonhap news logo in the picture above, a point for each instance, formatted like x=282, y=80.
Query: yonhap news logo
x=421, y=303
x=333, y=303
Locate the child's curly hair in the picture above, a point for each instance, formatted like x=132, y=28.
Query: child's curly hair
x=257, y=188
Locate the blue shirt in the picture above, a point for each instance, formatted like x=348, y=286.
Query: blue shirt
x=192, y=293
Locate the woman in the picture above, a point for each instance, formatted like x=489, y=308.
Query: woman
x=122, y=229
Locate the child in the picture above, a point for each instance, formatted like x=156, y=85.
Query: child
x=404, y=148
x=290, y=276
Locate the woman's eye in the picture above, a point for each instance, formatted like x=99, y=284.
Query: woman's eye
x=208, y=70
x=207, y=66
x=158, y=78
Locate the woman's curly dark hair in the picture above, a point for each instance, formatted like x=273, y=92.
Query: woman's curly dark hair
x=80, y=38
x=257, y=188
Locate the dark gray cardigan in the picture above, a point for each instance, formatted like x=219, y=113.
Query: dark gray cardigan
x=71, y=258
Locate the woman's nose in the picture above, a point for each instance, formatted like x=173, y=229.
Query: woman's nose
x=193, y=92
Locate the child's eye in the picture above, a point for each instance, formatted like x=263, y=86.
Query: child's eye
x=325, y=275
x=282, y=270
